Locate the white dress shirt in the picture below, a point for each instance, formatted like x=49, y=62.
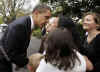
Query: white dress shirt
x=32, y=23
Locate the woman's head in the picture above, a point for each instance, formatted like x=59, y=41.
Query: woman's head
x=91, y=21
x=60, y=21
x=53, y=23
x=66, y=22
x=60, y=47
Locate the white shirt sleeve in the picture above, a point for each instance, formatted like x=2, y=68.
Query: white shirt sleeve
x=81, y=65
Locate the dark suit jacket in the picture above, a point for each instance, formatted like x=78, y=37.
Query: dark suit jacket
x=16, y=40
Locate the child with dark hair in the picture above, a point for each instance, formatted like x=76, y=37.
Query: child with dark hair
x=62, y=54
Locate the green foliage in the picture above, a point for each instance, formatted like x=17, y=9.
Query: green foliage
x=81, y=30
x=37, y=33
x=1, y=20
x=10, y=8
x=44, y=0
x=73, y=8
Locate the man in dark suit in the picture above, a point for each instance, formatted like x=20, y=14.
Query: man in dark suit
x=17, y=37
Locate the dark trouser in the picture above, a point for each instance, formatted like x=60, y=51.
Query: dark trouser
x=5, y=66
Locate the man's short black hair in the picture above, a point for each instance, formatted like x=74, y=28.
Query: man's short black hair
x=41, y=8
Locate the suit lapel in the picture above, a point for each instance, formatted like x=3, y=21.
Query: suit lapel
x=28, y=30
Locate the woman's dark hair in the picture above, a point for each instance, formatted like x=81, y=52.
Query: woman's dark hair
x=67, y=22
x=60, y=49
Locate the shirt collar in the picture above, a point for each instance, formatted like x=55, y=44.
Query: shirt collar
x=32, y=23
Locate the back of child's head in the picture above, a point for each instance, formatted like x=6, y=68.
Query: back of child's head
x=60, y=48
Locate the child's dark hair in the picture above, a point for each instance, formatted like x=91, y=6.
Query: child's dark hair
x=60, y=49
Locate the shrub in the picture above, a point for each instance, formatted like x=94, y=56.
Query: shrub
x=1, y=20
x=37, y=33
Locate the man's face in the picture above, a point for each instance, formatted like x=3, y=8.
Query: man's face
x=42, y=18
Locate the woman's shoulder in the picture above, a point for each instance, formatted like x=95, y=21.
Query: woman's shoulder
x=80, y=64
x=97, y=38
